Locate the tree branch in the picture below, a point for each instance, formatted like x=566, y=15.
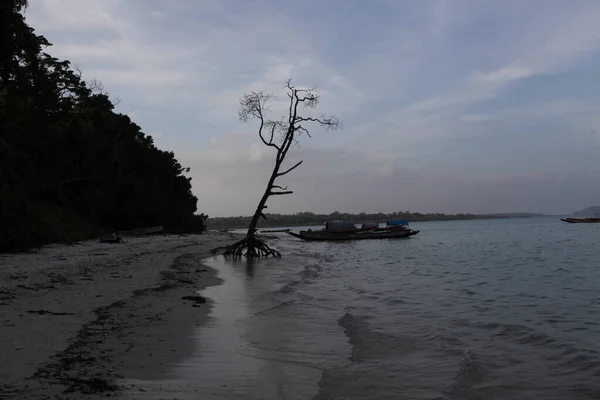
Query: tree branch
x=279, y=187
x=272, y=132
x=290, y=169
x=291, y=113
x=324, y=120
x=271, y=193
x=273, y=125
x=253, y=105
x=303, y=129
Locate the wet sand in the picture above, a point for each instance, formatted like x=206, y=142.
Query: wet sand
x=78, y=320
x=243, y=350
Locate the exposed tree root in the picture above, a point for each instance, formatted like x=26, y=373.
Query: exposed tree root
x=251, y=247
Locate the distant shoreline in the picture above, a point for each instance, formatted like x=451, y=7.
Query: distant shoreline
x=290, y=221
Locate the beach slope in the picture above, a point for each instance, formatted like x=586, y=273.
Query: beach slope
x=76, y=319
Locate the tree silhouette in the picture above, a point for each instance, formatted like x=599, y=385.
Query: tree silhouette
x=70, y=166
x=280, y=135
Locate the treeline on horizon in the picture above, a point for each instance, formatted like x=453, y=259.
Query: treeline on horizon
x=71, y=167
x=309, y=218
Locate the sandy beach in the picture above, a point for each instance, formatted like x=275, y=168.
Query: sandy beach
x=77, y=319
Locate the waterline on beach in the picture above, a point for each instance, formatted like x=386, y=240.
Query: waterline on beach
x=250, y=346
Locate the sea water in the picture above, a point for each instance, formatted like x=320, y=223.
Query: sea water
x=486, y=309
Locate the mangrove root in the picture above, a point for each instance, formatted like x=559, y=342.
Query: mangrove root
x=252, y=247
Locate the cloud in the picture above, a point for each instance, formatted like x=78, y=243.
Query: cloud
x=443, y=102
x=506, y=74
x=552, y=50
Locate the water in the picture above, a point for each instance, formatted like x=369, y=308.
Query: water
x=489, y=309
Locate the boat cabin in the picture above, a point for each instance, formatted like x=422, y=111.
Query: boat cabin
x=337, y=226
x=397, y=224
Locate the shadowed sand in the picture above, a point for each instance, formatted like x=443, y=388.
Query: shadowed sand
x=75, y=320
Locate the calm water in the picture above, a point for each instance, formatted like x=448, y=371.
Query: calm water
x=498, y=309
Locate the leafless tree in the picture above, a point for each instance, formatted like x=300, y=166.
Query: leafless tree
x=280, y=135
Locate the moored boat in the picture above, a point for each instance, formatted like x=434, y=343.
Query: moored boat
x=587, y=220
x=318, y=236
x=348, y=231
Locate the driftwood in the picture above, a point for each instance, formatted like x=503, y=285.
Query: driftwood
x=115, y=237
x=153, y=230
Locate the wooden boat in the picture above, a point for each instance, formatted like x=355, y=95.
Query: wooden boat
x=342, y=230
x=324, y=235
x=587, y=220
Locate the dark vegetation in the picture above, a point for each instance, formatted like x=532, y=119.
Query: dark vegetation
x=281, y=135
x=70, y=166
x=308, y=218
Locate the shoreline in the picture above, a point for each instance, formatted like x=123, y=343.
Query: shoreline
x=77, y=320
x=244, y=225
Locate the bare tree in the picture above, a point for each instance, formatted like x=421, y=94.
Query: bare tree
x=280, y=135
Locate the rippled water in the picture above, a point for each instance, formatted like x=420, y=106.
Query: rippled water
x=495, y=309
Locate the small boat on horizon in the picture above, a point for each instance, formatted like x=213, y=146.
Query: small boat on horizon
x=343, y=231
x=586, y=220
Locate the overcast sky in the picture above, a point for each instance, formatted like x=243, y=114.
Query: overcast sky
x=448, y=106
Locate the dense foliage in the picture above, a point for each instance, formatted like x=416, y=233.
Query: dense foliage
x=70, y=166
x=308, y=218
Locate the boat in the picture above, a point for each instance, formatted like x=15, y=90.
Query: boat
x=348, y=231
x=275, y=231
x=316, y=236
x=586, y=220
x=395, y=225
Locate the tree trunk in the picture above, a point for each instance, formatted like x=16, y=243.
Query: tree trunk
x=260, y=208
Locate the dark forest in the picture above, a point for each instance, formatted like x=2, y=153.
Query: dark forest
x=71, y=167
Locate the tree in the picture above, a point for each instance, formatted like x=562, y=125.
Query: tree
x=71, y=167
x=253, y=105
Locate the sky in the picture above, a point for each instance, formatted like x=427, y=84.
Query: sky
x=474, y=106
